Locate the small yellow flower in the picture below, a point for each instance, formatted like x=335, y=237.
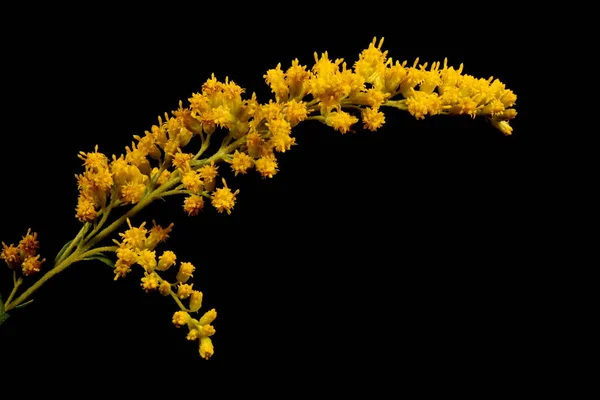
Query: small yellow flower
x=508, y=98
x=86, y=209
x=296, y=76
x=182, y=161
x=340, y=121
x=254, y=143
x=241, y=162
x=191, y=181
x=181, y=318
x=150, y=282
x=29, y=244
x=137, y=156
x=10, y=254
x=295, y=112
x=130, y=182
x=184, y=290
x=31, y=265
x=206, y=347
x=271, y=110
x=166, y=260
x=421, y=103
x=208, y=317
x=147, y=145
x=371, y=62
x=131, y=192
x=282, y=142
x=95, y=160
x=193, y=205
x=279, y=126
x=119, y=169
x=493, y=108
x=223, y=199
x=503, y=126
x=267, y=166
x=372, y=118
x=208, y=172
x=147, y=259
x=164, y=288
x=206, y=330
x=193, y=334
x=185, y=272
x=276, y=80
x=196, y=300
x=134, y=237
x=127, y=255
x=157, y=234
x=122, y=268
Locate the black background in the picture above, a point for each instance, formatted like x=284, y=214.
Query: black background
x=410, y=247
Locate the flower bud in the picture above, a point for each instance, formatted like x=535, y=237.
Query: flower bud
x=165, y=288
x=195, y=300
x=166, y=260
x=185, y=272
x=181, y=318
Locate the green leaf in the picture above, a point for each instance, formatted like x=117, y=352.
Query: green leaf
x=60, y=253
x=101, y=257
x=3, y=317
x=1, y=304
x=24, y=304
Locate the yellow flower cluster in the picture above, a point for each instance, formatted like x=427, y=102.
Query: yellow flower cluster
x=199, y=329
x=137, y=246
x=252, y=134
x=23, y=256
x=330, y=92
x=376, y=80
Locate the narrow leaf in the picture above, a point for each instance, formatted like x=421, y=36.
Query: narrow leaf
x=103, y=258
x=24, y=304
x=60, y=253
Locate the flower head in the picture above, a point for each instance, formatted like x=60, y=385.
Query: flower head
x=241, y=162
x=31, y=265
x=223, y=199
x=181, y=318
x=29, y=244
x=10, y=254
x=150, y=282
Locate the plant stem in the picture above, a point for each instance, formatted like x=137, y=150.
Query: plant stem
x=57, y=268
x=85, y=249
x=81, y=233
x=17, y=283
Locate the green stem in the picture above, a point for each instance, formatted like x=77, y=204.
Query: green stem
x=399, y=104
x=78, y=255
x=203, y=148
x=99, y=250
x=119, y=221
x=83, y=250
x=17, y=283
x=105, y=215
x=74, y=243
x=179, y=303
x=177, y=190
x=57, y=268
x=173, y=295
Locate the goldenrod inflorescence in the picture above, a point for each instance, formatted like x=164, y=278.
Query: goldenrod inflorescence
x=171, y=158
x=23, y=257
